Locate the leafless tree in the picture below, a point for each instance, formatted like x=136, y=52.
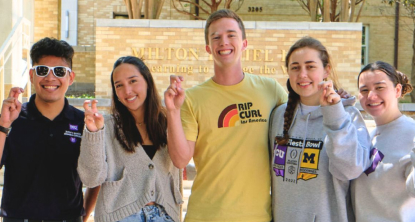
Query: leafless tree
x=332, y=10
x=409, y=6
x=193, y=8
x=152, y=8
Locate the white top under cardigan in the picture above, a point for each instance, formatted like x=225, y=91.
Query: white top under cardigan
x=128, y=180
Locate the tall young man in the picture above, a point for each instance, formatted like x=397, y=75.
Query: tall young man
x=40, y=153
x=223, y=125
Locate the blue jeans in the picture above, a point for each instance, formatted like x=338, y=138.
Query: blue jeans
x=151, y=213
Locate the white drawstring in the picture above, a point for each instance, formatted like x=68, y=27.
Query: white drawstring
x=305, y=136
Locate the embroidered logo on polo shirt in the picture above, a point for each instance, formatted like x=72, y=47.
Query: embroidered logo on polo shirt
x=73, y=127
x=72, y=133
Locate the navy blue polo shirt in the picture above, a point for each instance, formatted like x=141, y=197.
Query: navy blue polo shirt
x=40, y=159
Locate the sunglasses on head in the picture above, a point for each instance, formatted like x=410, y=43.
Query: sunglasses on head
x=58, y=71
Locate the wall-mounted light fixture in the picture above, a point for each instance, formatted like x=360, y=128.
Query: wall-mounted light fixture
x=67, y=24
x=69, y=21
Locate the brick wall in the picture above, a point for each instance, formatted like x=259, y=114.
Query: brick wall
x=86, y=26
x=381, y=40
x=84, y=67
x=264, y=55
x=46, y=19
x=379, y=17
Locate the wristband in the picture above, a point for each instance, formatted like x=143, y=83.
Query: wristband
x=5, y=130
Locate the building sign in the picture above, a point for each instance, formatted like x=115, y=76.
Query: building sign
x=196, y=54
x=178, y=47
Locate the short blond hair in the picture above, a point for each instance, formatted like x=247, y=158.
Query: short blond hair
x=223, y=13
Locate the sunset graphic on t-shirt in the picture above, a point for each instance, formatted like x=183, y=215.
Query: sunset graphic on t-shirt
x=228, y=117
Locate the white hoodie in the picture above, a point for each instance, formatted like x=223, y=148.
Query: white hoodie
x=315, y=187
x=410, y=181
x=380, y=194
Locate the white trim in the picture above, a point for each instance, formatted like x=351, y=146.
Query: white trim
x=159, y=23
x=283, y=25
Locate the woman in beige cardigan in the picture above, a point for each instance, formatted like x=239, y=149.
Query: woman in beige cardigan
x=126, y=152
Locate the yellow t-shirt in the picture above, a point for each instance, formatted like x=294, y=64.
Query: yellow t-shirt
x=230, y=127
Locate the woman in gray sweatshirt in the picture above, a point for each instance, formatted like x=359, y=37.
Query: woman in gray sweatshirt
x=126, y=152
x=318, y=141
x=380, y=195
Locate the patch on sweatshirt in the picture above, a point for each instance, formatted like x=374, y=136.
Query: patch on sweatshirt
x=375, y=157
x=290, y=164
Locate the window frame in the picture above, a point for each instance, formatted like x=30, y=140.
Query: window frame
x=365, y=45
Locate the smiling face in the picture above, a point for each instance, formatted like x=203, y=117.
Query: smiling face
x=306, y=71
x=378, y=96
x=130, y=86
x=225, y=42
x=51, y=89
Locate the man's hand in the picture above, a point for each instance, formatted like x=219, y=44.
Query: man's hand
x=93, y=120
x=328, y=96
x=11, y=107
x=174, y=94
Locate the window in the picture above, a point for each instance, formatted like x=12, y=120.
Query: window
x=365, y=45
x=119, y=15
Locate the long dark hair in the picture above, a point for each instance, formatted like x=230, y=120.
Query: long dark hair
x=293, y=97
x=155, y=119
x=394, y=75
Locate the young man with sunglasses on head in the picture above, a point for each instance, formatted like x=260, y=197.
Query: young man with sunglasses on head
x=40, y=153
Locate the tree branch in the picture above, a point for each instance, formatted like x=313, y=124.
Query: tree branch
x=148, y=10
x=185, y=12
x=313, y=10
x=129, y=11
x=207, y=3
x=140, y=7
x=326, y=11
x=360, y=10
x=352, y=7
x=191, y=3
x=215, y=5
x=227, y=4
x=304, y=6
x=159, y=8
x=333, y=15
x=240, y=3
x=344, y=10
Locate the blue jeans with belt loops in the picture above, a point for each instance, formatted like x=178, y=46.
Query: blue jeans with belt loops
x=151, y=213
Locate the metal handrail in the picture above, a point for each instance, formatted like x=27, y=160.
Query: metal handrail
x=17, y=40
